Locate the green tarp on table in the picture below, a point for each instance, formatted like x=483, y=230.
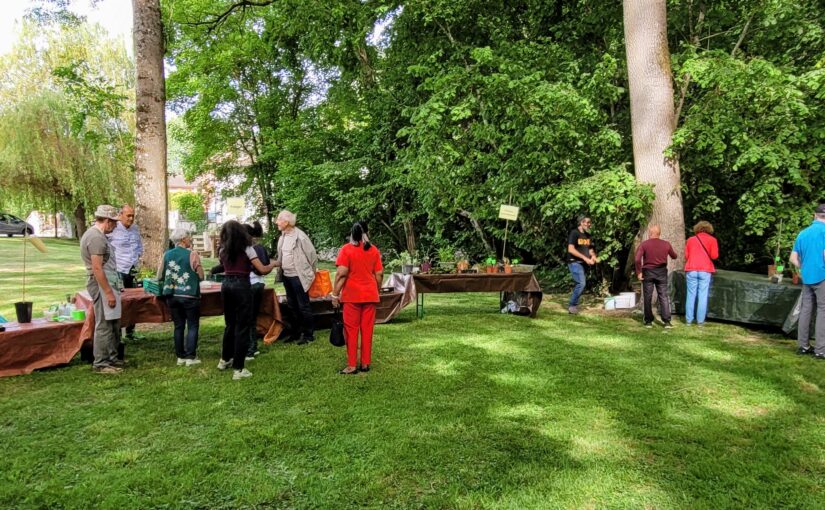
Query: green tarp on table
x=744, y=297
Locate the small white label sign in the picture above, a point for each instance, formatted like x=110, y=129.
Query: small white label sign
x=508, y=212
x=235, y=206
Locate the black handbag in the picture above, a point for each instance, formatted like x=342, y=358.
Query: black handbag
x=336, y=332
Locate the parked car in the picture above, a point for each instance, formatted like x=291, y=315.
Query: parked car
x=11, y=225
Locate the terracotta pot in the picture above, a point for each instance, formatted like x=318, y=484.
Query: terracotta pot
x=795, y=278
x=491, y=269
x=508, y=268
x=771, y=270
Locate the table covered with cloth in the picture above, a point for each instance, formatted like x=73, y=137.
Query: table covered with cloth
x=141, y=307
x=744, y=297
x=38, y=344
x=42, y=343
x=523, y=287
x=391, y=303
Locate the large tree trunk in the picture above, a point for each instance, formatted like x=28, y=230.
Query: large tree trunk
x=150, y=133
x=652, y=115
x=80, y=220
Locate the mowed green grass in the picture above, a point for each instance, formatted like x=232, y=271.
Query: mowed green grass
x=466, y=408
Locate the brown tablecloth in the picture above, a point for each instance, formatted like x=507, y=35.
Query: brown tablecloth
x=141, y=307
x=38, y=344
x=322, y=311
x=483, y=282
x=41, y=344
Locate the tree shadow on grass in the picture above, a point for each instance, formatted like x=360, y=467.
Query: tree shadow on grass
x=709, y=421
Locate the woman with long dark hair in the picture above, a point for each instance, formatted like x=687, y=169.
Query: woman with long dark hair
x=358, y=277
x=238, y=258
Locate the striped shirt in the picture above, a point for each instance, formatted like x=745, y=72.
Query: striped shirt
x=128, y=246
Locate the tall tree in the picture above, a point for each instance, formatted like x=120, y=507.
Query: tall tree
x=150, y=130
x=65, y=121
x=652, y=114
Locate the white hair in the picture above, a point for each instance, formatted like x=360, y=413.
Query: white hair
x=178, y=235
x=287, y=216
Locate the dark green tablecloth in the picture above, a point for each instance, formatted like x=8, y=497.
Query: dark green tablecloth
x=744, y=297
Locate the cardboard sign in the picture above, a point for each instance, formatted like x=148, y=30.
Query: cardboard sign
x=508, y=212
x=235, y=206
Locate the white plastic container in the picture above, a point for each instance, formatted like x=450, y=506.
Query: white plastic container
x=623, y=302
x=630, y=298
x=610, y=303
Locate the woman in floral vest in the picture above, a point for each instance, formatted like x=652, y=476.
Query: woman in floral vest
x=180, y=274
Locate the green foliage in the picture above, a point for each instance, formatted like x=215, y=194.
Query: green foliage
x=190, y=205
x=65, y=121
x=463, y=106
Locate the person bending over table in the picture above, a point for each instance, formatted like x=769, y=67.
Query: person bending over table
x=237, y=258
x=180, y=274
x=358, y=278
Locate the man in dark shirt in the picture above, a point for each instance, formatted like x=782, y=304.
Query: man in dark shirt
x=581, y=254
x=651, y=268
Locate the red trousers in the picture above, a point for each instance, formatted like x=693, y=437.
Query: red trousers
x=359, y=317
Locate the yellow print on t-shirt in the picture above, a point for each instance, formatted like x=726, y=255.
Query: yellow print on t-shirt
x=583, y=241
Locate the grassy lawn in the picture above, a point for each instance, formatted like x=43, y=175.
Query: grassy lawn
x=467, y=408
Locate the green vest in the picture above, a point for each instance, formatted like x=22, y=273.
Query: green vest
x=178, y=277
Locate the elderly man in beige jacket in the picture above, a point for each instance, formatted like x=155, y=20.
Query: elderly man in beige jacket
x=297, y=261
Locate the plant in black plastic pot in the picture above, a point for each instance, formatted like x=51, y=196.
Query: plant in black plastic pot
x=23, y=308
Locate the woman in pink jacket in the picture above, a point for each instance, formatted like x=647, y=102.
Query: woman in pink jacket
x=700, y=252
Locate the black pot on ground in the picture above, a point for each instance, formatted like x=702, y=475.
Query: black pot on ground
x=24, y=311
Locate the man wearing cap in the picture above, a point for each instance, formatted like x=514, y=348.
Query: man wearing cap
x=809, y=256
x=125, y=238
x=103, y=284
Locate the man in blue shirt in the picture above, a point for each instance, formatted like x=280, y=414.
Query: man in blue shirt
x=128, y=248
x=809, y=256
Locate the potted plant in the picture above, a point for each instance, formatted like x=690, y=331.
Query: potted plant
x=490, y=263
x=795, y=277
x=23, y=308
x=779, y=269
x=408, y=262
x=508, y=268
x=446, y=258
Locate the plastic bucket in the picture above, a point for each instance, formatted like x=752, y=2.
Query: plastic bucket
x=610, y=303
x=79, y=315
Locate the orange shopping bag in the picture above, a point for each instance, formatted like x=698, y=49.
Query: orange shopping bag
x=321, y=285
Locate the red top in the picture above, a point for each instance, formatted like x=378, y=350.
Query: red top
x=655, y=253
x=360, y=286
x=696, y=259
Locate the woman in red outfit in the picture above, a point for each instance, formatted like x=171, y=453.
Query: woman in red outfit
x=357, y=280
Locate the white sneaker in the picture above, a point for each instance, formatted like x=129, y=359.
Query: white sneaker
x=223, y=365
x=249, y=358
x=181, y=362
x=241, y=374
x=192, y=362
x=257, y=353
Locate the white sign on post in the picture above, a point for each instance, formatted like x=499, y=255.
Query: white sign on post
x=508, y=212
x=235, y=206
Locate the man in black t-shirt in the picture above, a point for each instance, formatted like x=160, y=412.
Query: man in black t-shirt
x=581, y=254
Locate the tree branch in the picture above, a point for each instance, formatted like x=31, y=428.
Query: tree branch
x=742, y=35
x=215, y=20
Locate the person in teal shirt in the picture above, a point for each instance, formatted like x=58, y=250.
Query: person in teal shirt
x=809, y=256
